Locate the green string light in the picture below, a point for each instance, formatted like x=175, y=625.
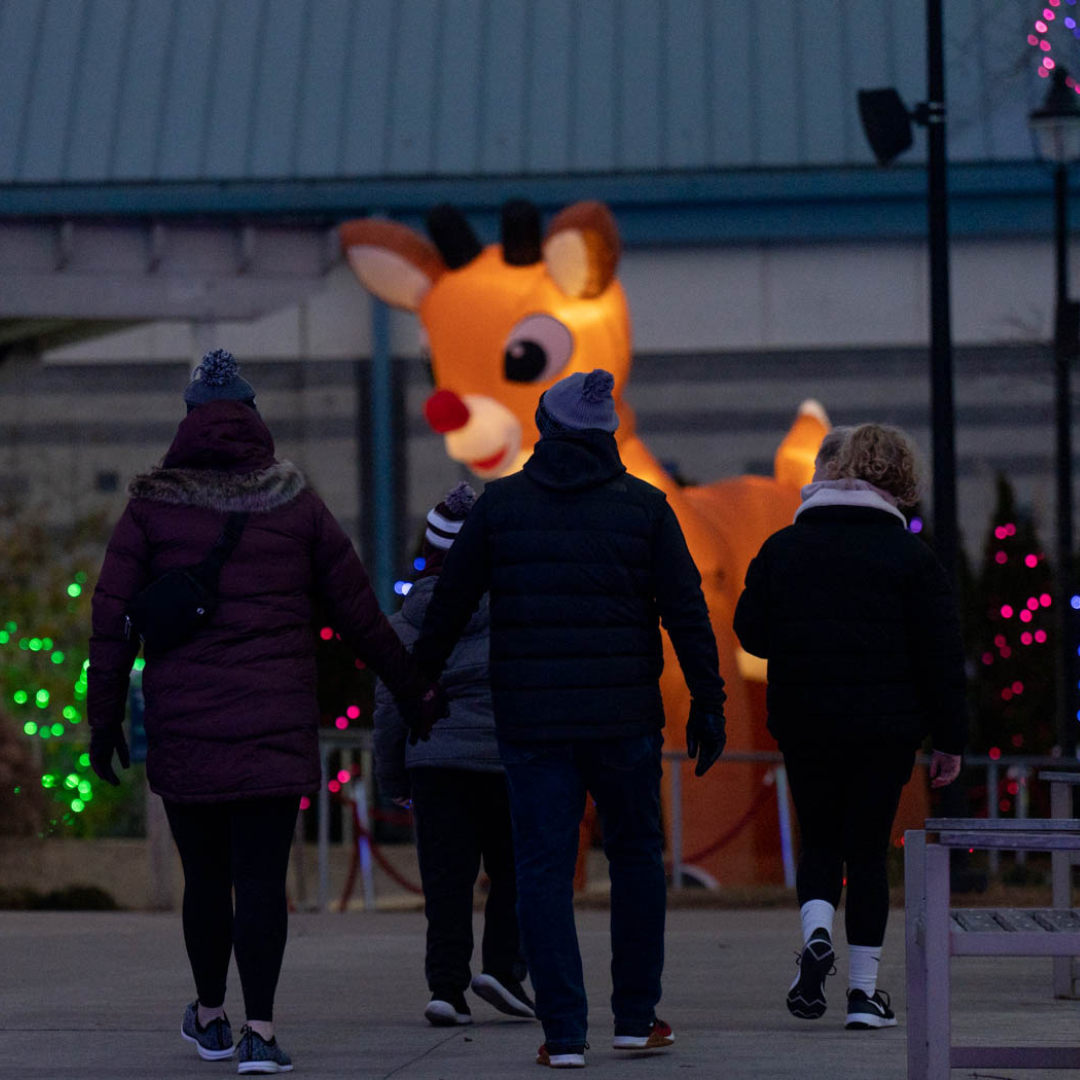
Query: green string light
x=30, y=727
x=71, y=781
x=21, y=697
x=48, y=780
x=46, y=643
x=5, y=637
x=58, y=729
x=84, y=760
x=71, y=714
x=78, y=805
x=84, y=788
x=140, y=663
x=44, y=732
x=80, y=577
x=11, y=627
x=24, y=644
x=57, y=657
x=35, y=644
x=74, y=589
x=42, y=699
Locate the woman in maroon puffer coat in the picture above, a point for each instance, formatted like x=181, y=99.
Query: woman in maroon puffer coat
x=231, y=714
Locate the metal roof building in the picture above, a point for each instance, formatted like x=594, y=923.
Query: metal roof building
x=181, y=163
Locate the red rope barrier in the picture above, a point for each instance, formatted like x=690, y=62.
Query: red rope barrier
x=735, y=829
x=406, y=818
x=376, y=853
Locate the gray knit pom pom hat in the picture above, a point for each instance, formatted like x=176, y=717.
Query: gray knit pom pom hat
x=577, y=402
x=217, y=378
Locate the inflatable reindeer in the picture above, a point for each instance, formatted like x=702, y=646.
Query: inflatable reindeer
x=506, y=321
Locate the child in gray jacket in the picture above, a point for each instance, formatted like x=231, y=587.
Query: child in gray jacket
x=458, y=790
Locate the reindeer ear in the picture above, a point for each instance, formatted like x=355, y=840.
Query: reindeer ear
x=395, y=263
x=582, y=248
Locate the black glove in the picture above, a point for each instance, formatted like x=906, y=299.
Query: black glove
x=422, y=713
x=705, y=738
x=103, y=742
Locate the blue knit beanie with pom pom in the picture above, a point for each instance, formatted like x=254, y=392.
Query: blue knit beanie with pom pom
x=217, y=378
x=577, y=402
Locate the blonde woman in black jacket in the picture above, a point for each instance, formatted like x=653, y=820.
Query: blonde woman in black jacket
x=857, y=619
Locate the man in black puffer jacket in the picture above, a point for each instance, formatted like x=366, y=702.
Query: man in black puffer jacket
x=583, y=562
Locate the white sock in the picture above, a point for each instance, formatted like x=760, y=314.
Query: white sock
x=816, y=915
x=863, y=968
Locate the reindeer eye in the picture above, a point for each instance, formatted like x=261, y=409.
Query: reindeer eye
x=538, y=348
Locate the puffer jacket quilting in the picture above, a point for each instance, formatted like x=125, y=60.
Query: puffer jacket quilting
x=463, y=740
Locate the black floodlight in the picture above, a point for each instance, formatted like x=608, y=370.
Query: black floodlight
x=886, y=121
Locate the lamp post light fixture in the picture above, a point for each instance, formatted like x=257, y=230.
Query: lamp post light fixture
x=1056, y=125
x=887, y=123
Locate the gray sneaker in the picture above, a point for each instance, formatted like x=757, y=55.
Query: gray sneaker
x=259, y=1056
x=214, y=1042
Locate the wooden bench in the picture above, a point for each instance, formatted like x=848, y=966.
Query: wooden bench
x=934, y=934
x=1066, y=968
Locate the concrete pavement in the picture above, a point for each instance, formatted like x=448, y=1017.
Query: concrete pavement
x=89, y=996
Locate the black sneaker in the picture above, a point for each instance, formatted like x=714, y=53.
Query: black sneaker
x=447, y=1009
x=652, y=1036
x=806, y=996
x=259, y=1056
x=506, y=994
x=869, y=1012
x=214, y=1042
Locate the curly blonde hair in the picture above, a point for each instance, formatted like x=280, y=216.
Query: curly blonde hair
x=830, y=450
x=884, y=457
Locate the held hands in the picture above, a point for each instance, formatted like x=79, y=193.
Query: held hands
x=103, y=742
x=705, y=738
x=944, y=768
x=422, y=713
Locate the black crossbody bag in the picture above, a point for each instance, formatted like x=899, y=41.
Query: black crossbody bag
x=179, y=604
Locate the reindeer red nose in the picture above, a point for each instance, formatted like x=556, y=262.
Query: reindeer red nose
x=446, y=412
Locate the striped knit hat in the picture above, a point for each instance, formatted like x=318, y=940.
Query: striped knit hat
x=444, y=521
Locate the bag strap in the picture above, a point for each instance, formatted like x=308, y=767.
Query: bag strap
x=224, y=546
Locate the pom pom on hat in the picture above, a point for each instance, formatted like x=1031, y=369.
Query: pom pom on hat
x=217, y=378
x=459, y=500
x=597, y=386
x=217, y=367
x=578, y=402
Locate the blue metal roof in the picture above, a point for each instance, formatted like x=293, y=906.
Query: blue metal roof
x=174, y=91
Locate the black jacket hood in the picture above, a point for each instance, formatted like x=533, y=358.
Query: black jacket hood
x=575, y=460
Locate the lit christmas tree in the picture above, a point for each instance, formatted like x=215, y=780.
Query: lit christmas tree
x=1013, y=685
x=44, y=631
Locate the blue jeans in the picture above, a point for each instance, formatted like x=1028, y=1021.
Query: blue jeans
x=548, y=782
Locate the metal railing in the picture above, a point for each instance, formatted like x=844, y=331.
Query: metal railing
x=1018, y=767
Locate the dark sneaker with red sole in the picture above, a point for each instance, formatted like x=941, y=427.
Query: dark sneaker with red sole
x=806, y=997
x=652, y=1036
x=565, y=1057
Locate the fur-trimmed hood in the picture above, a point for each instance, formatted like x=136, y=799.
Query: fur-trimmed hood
x=249, y=492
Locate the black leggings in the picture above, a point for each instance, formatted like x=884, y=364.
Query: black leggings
x=846, y=802
x=242, y=845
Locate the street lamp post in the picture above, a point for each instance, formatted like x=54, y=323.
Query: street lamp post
x=1056, y=124
x=887, y=123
